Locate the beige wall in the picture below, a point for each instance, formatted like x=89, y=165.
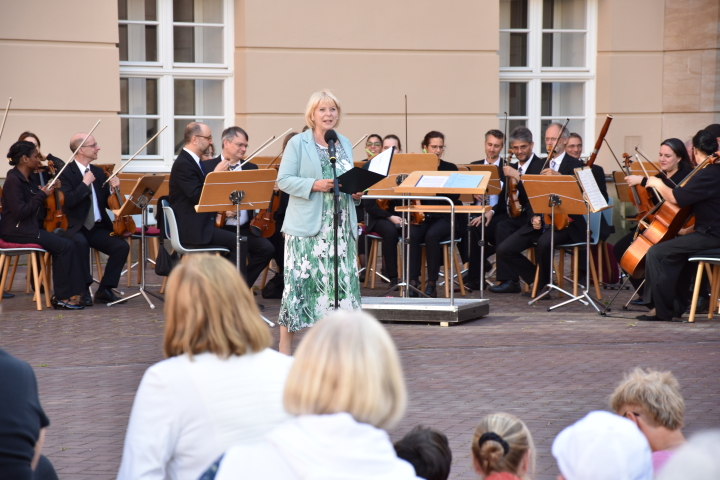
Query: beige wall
x=444, y=59
x=62, y=78
x=658, y=77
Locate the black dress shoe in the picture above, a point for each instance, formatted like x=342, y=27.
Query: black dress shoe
x=638, y=302
x=474, y=284
x=431, y=291
x=507, y=286
x=86, y=300
x=652, y=318
x=413, y=292
x=393, y=282
x=702, y=306
x=60, y=305
x=8, y=295
x=106, y=295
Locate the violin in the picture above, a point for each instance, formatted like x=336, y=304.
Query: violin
x=263, y=225
x=384, y=204
x=55, y=219
x=122, y=226
x=669, y=219
x=416, y=218
x=512, y=197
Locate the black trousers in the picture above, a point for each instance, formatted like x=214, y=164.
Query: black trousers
x=259, y=249
x=116, y=248
x=389, y=233
x=68, y=276
x=668, y=273
x=490, y=244
x=223, y=238
x=278, y=242
x=431, y=232
x=504, y=230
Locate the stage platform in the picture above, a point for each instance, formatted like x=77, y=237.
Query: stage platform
x=426, y=310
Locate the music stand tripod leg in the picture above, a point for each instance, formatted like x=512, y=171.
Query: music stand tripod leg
x=607, y=307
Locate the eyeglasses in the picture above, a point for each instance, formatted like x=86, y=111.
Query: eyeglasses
x=209, y=137
x=241, y=145
x=94, y=145
x=373, y=144
x=436, y=147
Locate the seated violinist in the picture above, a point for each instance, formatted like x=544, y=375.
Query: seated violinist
x=20, y=224
x=666, y=265
x=510, y=251
x=260, y=250
x=89, y=226
x=435, y=228
x=674, y=163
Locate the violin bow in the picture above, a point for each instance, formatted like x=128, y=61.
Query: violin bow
x=552, y=151
x=2, y=127
x=72, y=157
x=265, y=145
x=622, y=168
x=135, y=155
x=363, y=138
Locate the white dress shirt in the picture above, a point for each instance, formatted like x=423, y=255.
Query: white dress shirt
x=557, y=161
x=96, y=207
x=195, y=157
x=523, y=168
x=243, y=213
x=188, y=412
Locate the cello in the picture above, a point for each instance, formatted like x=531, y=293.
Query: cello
x=669, y=219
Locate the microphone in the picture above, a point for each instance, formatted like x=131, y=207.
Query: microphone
x=331, y=138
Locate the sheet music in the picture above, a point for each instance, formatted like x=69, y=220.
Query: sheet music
x=431, y=181
x=381, y=162
x=458, y=180
x=592, y=191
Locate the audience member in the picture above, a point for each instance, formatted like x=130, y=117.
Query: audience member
x=345, y=386
x=698, y=459
x=652, y=401
x=602, y=446
x=219, y=386
x=502, y=448
x=428, y=451
x=22, y=423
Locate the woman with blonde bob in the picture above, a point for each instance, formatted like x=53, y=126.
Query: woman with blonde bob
x=503, y=448
x=345, y=386
x=306, y=175
x=220, y=384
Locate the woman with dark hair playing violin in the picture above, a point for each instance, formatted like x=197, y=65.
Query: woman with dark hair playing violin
x=666, y=275
x=20, y=224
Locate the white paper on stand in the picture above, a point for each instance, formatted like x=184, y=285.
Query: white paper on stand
x=431, y=181
x=592, y=191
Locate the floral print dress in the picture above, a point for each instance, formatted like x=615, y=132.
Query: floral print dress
x=309, y=292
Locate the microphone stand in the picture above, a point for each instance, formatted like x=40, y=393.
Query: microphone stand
x=336, y=215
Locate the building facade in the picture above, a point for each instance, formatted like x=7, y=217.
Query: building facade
x=139, y=65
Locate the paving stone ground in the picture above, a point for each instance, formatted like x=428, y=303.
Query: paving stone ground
x=549, y=369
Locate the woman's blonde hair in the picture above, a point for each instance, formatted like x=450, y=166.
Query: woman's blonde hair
x=658, y=393
x=209, y=308
x=317, y=98
x=347, y=363
x=505, y=441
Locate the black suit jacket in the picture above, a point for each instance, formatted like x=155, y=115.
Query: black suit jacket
x=186, y=184
x=78, y=197
x=535, y=167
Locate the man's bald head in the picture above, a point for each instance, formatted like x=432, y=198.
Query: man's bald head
x=78, y=138
x=197, y=138
x=89, y=150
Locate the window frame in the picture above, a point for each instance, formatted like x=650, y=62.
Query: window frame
x=166, y=70
x=535, y=74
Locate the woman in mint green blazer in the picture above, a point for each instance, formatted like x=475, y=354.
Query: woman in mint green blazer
x=306, y=176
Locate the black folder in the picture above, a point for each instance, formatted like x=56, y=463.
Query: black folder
x=358, y=180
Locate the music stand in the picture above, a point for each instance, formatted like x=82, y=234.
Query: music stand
x=554, y=194
x=145, y=189
x=401, y=166
x=241, y=189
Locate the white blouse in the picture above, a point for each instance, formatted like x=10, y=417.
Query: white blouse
x=187, y=413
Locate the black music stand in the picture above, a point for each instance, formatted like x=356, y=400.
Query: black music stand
x=137, y=203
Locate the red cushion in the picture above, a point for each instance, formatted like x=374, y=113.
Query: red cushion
x=149, y=231
x=4, y=244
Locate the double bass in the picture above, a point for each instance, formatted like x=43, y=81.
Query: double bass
x=669, y=219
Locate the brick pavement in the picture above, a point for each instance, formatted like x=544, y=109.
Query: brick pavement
x=547, y=368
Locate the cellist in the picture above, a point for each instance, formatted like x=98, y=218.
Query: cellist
x=89, y=225
x=666, y=275
x=259, y=250
x=674, y=162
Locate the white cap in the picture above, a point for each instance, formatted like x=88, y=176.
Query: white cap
x=603, y=446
